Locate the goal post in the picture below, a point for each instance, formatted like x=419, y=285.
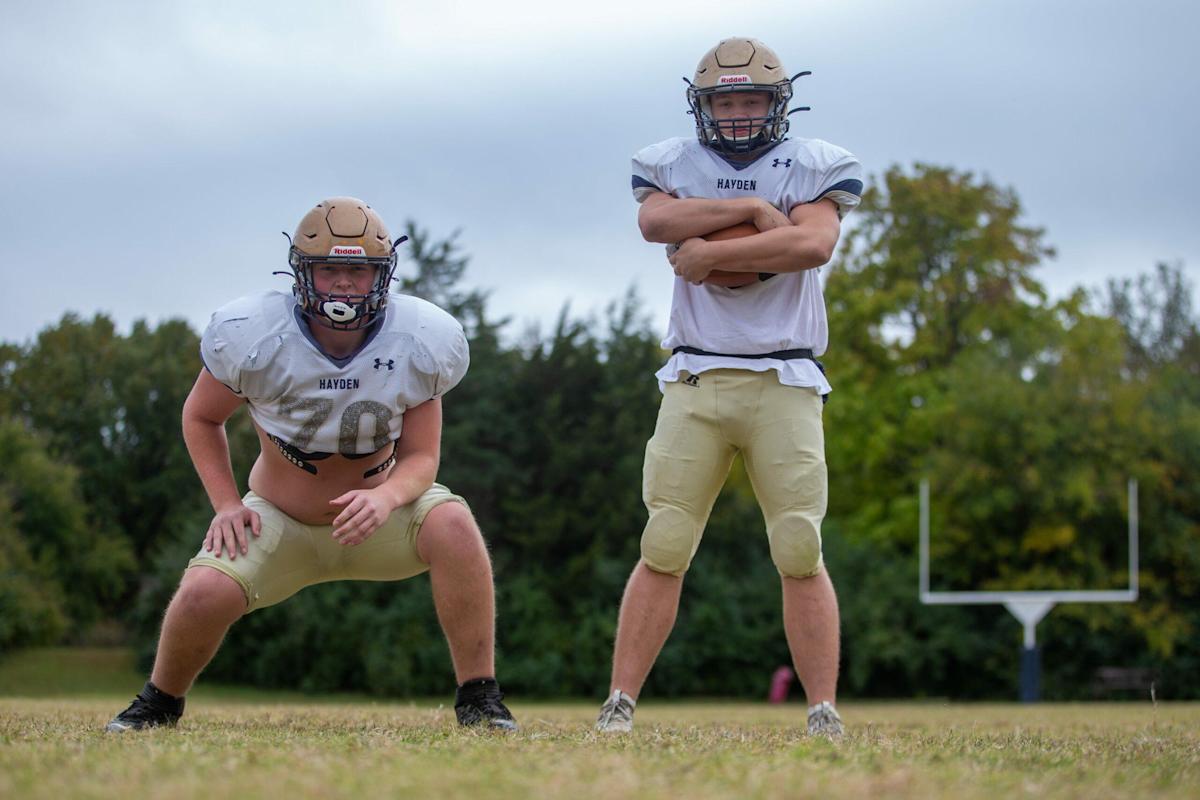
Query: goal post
x=1029, y=607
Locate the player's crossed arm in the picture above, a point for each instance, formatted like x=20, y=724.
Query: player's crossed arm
x=806, y=241
x=667, y=219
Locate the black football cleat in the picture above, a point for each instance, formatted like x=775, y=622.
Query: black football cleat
x=152, y=708
x=480, y=702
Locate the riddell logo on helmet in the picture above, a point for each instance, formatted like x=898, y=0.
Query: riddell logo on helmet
x=343, y=250
x=726, y=79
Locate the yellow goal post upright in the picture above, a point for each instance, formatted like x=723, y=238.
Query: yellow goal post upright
x=1029, y=607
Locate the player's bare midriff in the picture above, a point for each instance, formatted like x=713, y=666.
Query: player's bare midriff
x=305, y=496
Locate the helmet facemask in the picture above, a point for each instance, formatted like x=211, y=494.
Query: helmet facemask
x=720, y=135
x=342, y=231
x=343, y=312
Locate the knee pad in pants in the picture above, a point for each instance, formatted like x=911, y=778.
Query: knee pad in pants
x=670, y=539
x=795, y=538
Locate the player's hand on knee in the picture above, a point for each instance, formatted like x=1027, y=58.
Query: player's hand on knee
x=364, y=510
x=228, y=531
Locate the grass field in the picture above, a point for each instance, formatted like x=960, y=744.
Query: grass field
x=238, y=743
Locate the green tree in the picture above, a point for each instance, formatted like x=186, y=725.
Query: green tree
x=31, y=602
x=62, y=386
x=1162, y=355
x=109, y=406
x=59, y=568
x=950, y=363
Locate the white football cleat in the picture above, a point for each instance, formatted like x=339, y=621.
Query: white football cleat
x=823, y=720
x=616, y=715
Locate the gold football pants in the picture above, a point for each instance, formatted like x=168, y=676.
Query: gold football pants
x=289, y=555
x=703, y=422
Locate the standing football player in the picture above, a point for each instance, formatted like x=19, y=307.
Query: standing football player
x=747, y=321
x=344, y=386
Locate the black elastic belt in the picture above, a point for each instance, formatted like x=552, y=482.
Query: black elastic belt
x=783, y=355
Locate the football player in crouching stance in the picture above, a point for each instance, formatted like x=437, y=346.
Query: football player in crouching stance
x=344, y=386
x=747, y=321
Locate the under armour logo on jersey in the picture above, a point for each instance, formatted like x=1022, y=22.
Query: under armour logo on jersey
x=691, y=380
x=389, y=364
x=787, y=162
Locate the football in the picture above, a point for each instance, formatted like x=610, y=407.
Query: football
x=720, y=277
x=739, y=231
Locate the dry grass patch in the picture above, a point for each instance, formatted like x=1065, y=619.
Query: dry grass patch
x=55, y=748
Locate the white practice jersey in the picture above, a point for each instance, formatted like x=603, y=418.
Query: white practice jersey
x=261, y=348
x=786, y=312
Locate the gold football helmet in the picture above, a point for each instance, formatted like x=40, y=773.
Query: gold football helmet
x=739, y=64
x=342, y=230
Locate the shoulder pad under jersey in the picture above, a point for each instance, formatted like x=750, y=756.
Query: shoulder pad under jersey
x=244, y=334
x=438, y=343
x=836, y=173
x=652, y=166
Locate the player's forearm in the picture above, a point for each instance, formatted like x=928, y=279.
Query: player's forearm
x=673, y=220
x=791, y=249
x=411, y=477
x=209, y=448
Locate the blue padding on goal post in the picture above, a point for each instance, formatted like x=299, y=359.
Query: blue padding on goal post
x=1031, y=674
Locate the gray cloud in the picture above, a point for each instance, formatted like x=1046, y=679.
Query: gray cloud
x=154, y=152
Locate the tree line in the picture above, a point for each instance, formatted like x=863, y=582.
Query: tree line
x=949, y=362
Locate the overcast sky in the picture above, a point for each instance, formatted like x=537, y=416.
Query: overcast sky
x=152, y=152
